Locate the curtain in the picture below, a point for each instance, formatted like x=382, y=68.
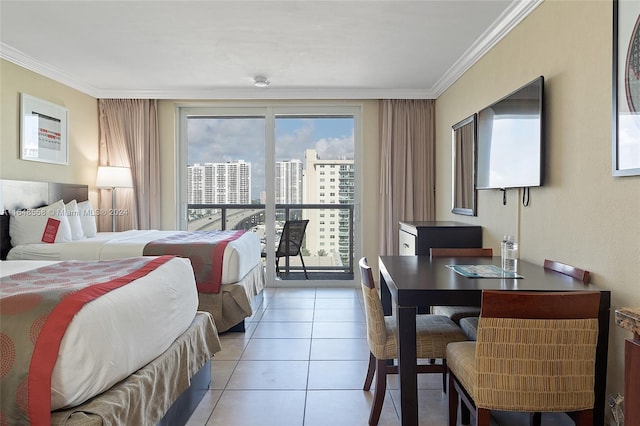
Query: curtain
x=129, y=138
x=407, y=166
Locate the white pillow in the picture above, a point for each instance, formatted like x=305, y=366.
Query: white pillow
x=87, y=219
x=73, y=215
x=27, y=226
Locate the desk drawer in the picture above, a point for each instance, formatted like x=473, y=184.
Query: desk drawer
x=407, y=243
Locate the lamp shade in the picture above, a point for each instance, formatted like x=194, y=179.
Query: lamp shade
x=114, y=177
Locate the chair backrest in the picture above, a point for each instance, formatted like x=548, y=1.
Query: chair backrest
x=536, y=350
x=376, y=329
x=563, y=268
x=291, y=238
x=461, y=252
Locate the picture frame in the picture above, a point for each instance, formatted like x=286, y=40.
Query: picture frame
x=463, y=166
x=626, y=88
x=43, y=131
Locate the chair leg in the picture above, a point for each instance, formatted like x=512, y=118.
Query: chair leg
x=370, y=372
x=535, y=419
x=483, y=417
x=381, y=389
x=582, y=418
x=453, y=402
x=306, y=277
x=444, y=377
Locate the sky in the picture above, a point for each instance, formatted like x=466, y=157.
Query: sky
x=216, y=140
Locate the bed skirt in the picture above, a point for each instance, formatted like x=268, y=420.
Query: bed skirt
x=234, y=302
x=146, y=395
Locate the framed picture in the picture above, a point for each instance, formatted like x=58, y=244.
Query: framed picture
x=626, y=88
x=43, y=131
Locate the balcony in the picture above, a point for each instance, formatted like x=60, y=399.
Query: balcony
x=322, y=263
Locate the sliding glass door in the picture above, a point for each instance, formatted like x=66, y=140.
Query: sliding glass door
x=255, y=168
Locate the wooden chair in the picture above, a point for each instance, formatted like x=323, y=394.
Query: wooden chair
x=291, y=243
x=572, y=271
x=535, y=353
x=433, y=333
x=457, y=313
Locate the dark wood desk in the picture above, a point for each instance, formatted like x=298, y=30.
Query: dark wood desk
x=407, y=282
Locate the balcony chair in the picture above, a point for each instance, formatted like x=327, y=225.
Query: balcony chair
x=535, y=353
x=434, y=332
x=291, y=242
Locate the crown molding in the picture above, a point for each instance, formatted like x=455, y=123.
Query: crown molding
x=507, y=21
x=25, y=61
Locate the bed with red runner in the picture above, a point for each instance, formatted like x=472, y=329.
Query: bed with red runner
x=73, y=331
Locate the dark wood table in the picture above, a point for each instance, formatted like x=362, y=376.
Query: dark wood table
x=407, y=282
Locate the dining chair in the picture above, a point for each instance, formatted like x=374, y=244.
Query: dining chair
x=535, y=353
x=290, y=243
x=572, y=271
x=433, y=333
x=457, y=313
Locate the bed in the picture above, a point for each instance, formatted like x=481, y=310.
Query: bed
x=66, y=359
x=227, y=264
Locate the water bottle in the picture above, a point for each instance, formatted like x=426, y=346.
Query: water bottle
x=509, y=253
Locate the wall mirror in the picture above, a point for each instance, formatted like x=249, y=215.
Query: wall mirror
x=464, y=166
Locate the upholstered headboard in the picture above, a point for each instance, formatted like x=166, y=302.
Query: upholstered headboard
x=23, y=194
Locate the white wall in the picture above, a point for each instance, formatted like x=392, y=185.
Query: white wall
x=582, y=215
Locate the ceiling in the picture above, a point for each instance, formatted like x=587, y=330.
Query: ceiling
x=212, y=49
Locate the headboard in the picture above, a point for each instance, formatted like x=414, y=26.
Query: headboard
x=24, y=194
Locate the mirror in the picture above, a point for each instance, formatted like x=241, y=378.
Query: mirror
x=464, y=166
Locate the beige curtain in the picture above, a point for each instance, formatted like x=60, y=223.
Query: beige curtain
x=129, y=138
x=407, y=166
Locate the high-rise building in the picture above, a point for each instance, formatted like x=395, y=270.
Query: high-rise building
x=328, y=182
x=219, y=183
x=289, y=182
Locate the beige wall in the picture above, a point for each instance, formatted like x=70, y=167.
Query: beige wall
x=83, y=129
x=582, y=215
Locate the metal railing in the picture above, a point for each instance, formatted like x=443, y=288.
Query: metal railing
x=251, y=216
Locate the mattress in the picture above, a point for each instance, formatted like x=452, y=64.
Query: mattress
x=119, y=332
x=240, y=255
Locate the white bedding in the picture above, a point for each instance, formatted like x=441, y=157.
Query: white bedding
x=139, y=321
x=240, y=255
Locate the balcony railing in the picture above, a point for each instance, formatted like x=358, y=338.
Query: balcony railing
x=323, y=263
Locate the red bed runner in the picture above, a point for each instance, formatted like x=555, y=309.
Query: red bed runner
x=36, y=308
x=205, y=249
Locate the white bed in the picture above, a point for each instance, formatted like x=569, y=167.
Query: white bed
x=95, y=354
x=240, y=255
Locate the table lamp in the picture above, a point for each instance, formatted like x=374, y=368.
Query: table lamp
x=113, y=177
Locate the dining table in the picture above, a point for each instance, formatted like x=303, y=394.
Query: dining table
x=408, y=283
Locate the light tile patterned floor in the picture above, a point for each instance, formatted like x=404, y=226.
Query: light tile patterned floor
x=302, y=362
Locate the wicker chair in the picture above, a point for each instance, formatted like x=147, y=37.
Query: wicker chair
x=457, y=313
x=434, y=332
x=535, y=353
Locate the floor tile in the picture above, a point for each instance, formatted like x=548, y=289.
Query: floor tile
x=287, y=315
x=339, y=349
x=221, y=372
x=345, y=408
x=283, y=330
x=277, y=349
x=261, y=375
x=204, y=409
x=291, y=303
x=337, y=374
x=339, y=330
x=259, y=408
x=339, y=315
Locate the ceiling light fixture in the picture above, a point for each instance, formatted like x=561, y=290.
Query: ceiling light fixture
x=260, y=81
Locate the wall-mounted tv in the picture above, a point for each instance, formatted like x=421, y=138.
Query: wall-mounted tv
x=510, y=141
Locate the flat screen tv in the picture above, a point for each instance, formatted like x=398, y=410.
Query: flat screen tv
x=510, y=141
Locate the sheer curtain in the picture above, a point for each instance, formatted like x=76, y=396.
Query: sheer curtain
x=407, y=166
x=129, y=138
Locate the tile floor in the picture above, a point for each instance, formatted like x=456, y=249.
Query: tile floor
x=302, y=362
